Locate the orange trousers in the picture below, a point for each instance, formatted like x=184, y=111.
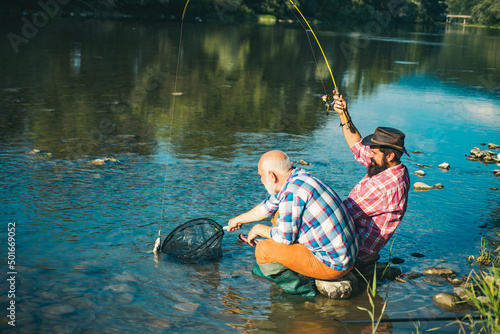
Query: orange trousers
x=295, y=257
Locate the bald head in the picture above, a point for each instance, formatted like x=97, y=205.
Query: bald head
x=275, y=161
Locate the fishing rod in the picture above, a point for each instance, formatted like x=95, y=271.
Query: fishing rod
x=326, y=99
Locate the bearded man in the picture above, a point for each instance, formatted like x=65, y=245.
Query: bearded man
x=313, y=236
x=378, y=202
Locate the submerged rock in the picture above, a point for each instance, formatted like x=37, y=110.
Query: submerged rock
x=419, y=173
x=444, y=272
x=444, y=165
x=487, y=156
x=420, y=186
x=492, y=146
x=397, y=260
x=445, y=301
x=435, y=279
x=34, y=151
x=100, y=162
x=341, y=288
x=413, y=275
x=97, y=162
x=303, y=162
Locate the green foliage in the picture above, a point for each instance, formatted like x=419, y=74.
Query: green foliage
x=461, y=7
x=371, y=291
x=487, y=305
x=487, y=12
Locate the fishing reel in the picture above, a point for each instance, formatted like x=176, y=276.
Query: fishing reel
x=327, y=103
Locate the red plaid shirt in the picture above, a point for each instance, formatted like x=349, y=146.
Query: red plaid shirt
x=377, y=204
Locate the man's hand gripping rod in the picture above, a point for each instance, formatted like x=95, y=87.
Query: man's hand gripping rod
x=329, y=105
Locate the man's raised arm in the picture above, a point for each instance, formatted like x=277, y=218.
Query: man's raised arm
x=351, y=134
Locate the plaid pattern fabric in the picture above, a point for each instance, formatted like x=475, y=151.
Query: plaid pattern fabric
x=377, y=204
x=311, y=213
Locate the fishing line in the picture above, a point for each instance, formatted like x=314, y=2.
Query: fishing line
x=312, y=49
x=325, y=97
x=169, y=143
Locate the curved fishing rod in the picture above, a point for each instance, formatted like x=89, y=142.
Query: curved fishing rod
x=325, y=98
x=157, y=245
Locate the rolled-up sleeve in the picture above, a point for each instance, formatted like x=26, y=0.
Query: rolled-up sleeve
x=269, y=205
x=361, y=153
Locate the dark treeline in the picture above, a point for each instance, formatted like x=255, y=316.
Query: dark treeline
x=485, y=12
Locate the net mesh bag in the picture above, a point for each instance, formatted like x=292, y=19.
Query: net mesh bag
x=195, y=241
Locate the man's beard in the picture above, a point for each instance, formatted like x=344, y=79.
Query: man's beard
x=374, y=168
x=271, y=192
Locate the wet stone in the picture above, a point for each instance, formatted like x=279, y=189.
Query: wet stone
x=492, y=146
x=444, y=165
x=303, y=162
x=341, y=288
x=419, y=173
x=460, y=293
x=417, y=255
x=412, y=275
x=435, y=279
x=440, y=272
x=475, y=151
x=420, y=186
x=445, y=301
x=397, y=260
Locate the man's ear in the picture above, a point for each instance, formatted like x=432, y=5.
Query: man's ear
x=390, y=157
x=273, y=176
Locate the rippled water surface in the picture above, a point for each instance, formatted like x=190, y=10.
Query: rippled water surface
x=84, y=89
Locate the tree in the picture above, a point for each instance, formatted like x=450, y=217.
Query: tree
x=433, y=10
x=487, y=12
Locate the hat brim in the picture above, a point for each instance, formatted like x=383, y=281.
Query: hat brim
x=367, y=141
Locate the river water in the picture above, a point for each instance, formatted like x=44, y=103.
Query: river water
x=78, y=90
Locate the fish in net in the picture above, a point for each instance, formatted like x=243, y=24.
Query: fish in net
x=195, y=241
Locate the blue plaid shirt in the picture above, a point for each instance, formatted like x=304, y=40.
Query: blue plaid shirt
x=311, y=213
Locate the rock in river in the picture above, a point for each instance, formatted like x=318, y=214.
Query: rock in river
x=445, y=272
x=444, y=165
x=475, y=151
x=492, y=146
x=341, y=288
x=445, y=301
x=419, y=173
x=434, y=279
x=420, y=186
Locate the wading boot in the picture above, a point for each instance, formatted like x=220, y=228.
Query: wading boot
x=288, y=280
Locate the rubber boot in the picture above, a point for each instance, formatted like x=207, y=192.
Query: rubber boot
x=288, y=280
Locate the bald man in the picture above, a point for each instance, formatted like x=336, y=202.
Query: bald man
x=313, y=236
